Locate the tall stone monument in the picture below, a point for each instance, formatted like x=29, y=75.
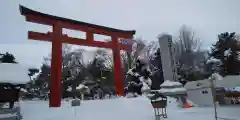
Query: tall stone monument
x=167, y=56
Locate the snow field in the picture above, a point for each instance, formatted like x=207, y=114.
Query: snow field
x=120, y=109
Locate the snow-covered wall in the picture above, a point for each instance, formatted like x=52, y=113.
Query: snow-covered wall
x=199, y=92
x=13, y=73
x=229, y=81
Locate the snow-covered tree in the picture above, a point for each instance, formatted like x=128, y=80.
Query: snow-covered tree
x=7, y=58
x=139, y=78
x=189, y=55
x=227, y=50
x=156, y=68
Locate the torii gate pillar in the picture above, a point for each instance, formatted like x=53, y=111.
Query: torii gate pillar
x=57, y=38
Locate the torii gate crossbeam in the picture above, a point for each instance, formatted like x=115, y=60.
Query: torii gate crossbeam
x=57, y=38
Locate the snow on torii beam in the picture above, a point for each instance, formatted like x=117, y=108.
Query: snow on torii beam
x=57, y=38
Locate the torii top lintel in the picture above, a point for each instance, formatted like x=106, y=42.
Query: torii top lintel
x=57, y=38
x=42, y=18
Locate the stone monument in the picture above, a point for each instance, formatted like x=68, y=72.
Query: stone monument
x=167, y=56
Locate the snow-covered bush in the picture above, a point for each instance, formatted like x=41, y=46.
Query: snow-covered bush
x=83, y=89
x=226, y=49
x=139, y=78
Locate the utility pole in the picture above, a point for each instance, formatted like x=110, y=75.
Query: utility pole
x=213, y=89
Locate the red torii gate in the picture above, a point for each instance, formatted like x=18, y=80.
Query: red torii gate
x=57, y=38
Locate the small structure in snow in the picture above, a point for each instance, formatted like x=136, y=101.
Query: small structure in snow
x=12, y=78
x=199, y=92
x=13, y=73
x=172, y=88
x=170, y=84
x=176, y=89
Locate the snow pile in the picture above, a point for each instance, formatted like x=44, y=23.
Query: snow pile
x=130, y=72
x=171, y=84
x=172, y=88
x=213, y=60
x=216, y=76
x=83, y=89
x=23, y=90
x=228, y=52
x=236, y=89
x=146, y=84
x=69, y=89
x=13, y=73
x=230, y=81
x=81, y=86
x=117, y=109
x=122, y=108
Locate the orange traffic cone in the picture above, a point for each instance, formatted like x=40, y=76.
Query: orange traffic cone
x=188, y=105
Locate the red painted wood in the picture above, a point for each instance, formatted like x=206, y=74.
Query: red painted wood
x=57, y=39
x=90, y=36
x=46, y=21
x=76, y=41
x=39, y=19
x=95, y=30
x=40, y=36
x=56, y=68
x=118, y=71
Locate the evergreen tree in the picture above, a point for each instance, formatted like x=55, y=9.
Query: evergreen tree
x=7, y=58
x=156, y=67
x=227, y=49
x=139, y=78
x=32, y=71
x=38, y=87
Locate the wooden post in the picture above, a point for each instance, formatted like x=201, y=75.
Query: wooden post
x=58, y=23
x=90, y=36
x=118, y=71
x=213, y=89
x=56, y=67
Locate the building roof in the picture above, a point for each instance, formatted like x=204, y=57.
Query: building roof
x=226, y=82
x=197, y=84
x=13, y=73
x=230, y=81
x=27, y=11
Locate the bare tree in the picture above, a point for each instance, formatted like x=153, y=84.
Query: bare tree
x=141, y=44
x=186, y=45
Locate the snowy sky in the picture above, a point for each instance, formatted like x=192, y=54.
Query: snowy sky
x=148, y=18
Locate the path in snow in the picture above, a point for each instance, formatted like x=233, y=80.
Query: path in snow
x=118, y=109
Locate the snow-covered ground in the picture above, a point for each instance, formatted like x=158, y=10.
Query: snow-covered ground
x=120, y=109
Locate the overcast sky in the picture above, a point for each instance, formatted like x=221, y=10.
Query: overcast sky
x=148, y=17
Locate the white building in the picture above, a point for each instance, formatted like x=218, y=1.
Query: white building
x=199, y=92
x=13, y=74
